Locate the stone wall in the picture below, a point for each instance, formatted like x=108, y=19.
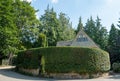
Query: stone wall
x=75, y=75
x=34, y=72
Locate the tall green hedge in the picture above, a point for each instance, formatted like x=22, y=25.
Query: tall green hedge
x=66, y=59
x=27, y=59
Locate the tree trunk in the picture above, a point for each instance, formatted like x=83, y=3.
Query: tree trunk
x=10, y=58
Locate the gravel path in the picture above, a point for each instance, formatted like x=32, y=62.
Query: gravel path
x=7, y=75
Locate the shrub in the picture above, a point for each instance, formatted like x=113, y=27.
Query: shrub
x=116, y=67
x=41, y=41
x=66, y=59
x=28, y=60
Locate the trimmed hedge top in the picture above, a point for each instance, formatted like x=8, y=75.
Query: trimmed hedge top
x=66, y=59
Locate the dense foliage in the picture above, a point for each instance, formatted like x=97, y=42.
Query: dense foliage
x=80, y=25
x=20, y=29
x=66, y=59
x=27, y=60
x=113, y=46
x=97, y=32
x=116, y=67
x=41, y=41
x=27, y=23
x=65, y=32
x=8, y=30
x=56, y=29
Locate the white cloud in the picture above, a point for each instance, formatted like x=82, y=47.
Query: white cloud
x=54, y=1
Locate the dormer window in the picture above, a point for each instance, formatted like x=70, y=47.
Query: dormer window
x=81, y=38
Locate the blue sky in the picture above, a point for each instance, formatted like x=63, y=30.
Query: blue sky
x=107, y=10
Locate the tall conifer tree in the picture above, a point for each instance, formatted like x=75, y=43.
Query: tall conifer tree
x=80, y=25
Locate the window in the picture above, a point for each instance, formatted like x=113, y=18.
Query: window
x=82, y=38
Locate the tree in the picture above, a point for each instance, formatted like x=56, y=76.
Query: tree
x=113, y=34
x=114, y=43
x=41, y=41
x=26, y=22
x=113, y=47
x=118, y=23
x=80, y=25
x=118, y=39
x=101, y=34
x=49, y=26
x=103, y=38
x=97, y=32
x=8, y=29
x=65, y=32
x=18, y=26
x=90, y=28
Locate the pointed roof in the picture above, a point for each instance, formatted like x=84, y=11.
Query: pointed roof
x=83, y=40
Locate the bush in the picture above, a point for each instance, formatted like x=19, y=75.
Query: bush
x=65, y=59
x=27, y=60
x=116, y=67
x=41, y=41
